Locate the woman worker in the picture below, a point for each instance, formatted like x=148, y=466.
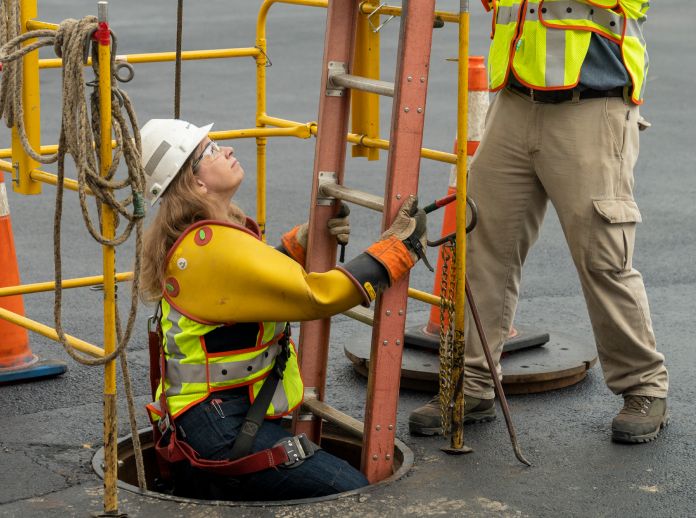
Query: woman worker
x=225, y=300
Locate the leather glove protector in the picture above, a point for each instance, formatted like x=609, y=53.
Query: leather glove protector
x=397, y=249
x=409, y=226
x=295, y=241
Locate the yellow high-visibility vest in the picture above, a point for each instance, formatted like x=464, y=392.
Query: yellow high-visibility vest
x=544, y=42
x=192, y=373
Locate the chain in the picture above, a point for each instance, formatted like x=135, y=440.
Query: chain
x=447, y=297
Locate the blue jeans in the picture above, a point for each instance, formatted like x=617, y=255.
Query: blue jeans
x=212, y=436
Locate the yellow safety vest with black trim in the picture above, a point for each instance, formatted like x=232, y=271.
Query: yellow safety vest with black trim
x=544, y=42
x=192, y=373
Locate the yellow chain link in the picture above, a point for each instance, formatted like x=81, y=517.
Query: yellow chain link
x=447, y=356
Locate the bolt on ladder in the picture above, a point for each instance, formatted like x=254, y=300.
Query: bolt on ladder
x=408, y=115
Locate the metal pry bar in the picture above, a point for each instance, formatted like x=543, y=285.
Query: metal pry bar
x=496, y=382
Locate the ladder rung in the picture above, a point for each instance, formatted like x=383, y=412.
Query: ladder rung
x=361, y=314
x=364, y=84
x=345, y=422
x=342, y=192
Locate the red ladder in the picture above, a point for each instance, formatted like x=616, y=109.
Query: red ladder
x=408, y=115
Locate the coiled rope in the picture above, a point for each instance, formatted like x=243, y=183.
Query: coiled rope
x=80, y=129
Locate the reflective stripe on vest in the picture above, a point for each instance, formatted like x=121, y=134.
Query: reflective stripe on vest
x=549, y=49
x=288, y=394
x=192, y=373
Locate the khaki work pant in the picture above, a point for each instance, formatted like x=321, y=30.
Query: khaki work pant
x=580, y=155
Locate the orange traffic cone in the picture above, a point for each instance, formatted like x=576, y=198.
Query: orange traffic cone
x=16, y=359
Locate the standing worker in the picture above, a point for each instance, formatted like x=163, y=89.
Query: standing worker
x=563, y=127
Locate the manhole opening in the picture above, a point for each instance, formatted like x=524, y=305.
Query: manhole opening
x=334, y=440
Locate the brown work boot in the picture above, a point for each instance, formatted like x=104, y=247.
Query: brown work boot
x=426, y=419
x=640, y=419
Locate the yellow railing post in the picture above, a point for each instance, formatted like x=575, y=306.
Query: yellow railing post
x=261, y=62
x=365, y=105
x=109, y=255
x=21, y=161
x=261, y=184
x=457, y=439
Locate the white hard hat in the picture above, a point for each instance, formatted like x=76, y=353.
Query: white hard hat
x=167, y=143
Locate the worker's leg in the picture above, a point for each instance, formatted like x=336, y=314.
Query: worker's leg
x=511, y=204
x=213, y=435
x=586, y=159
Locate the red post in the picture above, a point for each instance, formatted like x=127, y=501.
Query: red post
x=330, y=154
x=406, y=139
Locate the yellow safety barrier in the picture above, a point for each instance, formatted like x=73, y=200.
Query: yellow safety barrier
x=299, y=132
x=80, y=282
x=424, y=296
x=27, y=182
x=42, y=176
x=364, y=106
x=28, y=178
x=108, y=221
x=431, y=154
x=23, y=163
x=365, y=141
x=159, y=57
x=49, y=332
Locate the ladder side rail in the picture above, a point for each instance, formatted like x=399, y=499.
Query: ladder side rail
x=408, y=116
x=330, y=154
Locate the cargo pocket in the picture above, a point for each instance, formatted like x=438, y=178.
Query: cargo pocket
x=613, y=234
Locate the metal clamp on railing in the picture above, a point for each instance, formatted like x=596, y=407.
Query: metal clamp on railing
x=376, y=12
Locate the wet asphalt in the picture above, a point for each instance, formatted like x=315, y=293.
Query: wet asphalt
x=49, y=430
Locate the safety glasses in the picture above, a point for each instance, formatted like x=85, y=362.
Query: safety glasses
x=211, y=149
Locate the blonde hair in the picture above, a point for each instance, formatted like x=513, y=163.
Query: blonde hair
x=181, y=205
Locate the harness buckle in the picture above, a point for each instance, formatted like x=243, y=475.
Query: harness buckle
x=298, y=448
x=165, y=424
x=152, y=324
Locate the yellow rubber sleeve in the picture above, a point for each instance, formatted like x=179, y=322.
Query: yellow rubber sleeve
x=222, y=273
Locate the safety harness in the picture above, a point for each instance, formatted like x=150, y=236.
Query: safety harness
x=289, y=452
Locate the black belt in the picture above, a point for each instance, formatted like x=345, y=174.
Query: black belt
x=561, y=96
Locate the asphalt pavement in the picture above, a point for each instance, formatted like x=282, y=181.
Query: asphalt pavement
x=49, y=430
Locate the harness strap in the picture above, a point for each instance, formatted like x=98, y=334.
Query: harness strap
x=154, y=334
x=289, y=452
x=264, y=459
